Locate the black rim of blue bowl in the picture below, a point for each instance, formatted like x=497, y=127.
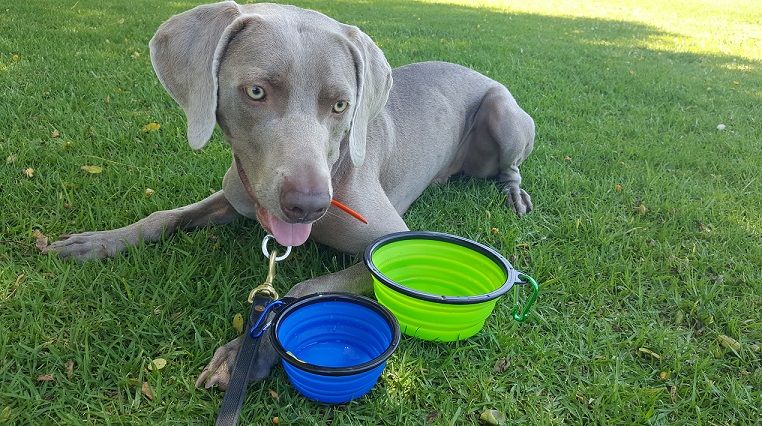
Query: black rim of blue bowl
x=511, y=275
x=336, y=297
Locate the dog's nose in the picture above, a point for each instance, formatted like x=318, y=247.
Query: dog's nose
x=302, y=202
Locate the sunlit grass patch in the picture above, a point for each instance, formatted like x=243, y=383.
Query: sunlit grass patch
x=704, y=26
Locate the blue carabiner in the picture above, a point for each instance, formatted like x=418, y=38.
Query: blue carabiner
x=256, y=334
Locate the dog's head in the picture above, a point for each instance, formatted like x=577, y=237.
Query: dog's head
x=292, y=90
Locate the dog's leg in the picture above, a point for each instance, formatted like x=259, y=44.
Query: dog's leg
x=513, y=131
x=338, y=231
x=501, y=139
x=214, y=209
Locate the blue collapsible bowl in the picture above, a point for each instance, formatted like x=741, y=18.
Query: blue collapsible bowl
x=334, y=346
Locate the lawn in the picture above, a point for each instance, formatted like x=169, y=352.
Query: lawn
x=647, y=233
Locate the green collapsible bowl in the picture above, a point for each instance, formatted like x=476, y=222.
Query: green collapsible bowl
x=440, y=286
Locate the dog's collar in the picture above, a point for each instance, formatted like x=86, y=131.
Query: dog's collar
x=244, y=179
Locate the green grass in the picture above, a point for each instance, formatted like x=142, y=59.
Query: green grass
x=623, y=94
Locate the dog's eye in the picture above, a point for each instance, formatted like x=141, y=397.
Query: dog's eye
x=340, y=106
x=255, y=92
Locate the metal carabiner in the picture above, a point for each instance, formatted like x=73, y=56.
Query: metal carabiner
x=254, y=331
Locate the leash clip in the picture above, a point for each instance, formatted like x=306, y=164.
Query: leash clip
x=266, y=288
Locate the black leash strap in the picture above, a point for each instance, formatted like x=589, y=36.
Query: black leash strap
x=230, y=409
x=263, y=299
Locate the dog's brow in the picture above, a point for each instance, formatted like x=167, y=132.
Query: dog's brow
x=275, y=81
x=258, y=75
x=333, y=92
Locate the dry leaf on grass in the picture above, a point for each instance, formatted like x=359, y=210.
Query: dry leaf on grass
x=650, y=353
x=501, y=365
x=45, y=378
x=276, y=420
x=149, y=192
x=583, y=400
x=41, y=241
x=29, y=172
x=147, y=391
x=69, y=369
x=55, y=134
x=11, y=159
x=151, y=127
x=157, y=364
x=618, y=187
x=16, y=285
x=274, y=395
x=729, y=343
x=432, y=417
x=92, y=169
x=493, y=418
x=238, y=323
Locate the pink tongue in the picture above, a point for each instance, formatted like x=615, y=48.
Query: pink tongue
x=287, y=234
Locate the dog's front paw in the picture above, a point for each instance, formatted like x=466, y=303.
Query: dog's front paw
x=518, y=200
x=218, y=371
x=87, y=245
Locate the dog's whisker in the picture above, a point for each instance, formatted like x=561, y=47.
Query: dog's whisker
x=330, y=213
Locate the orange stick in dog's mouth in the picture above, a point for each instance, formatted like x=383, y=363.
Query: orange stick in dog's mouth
x=348, y=211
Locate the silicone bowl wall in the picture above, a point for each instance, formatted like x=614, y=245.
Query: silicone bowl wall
x=439, y=286
x=334, y=346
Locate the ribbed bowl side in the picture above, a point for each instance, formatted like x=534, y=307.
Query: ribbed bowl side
x=333, y=389
x=334, y=334
x=434, y=321
x=442, y=269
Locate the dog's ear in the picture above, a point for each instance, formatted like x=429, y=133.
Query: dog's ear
x=184, y=54
x=374, y=81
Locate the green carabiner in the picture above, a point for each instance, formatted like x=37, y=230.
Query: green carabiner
x=520, y=317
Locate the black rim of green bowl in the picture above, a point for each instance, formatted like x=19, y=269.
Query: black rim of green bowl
x=512, y=276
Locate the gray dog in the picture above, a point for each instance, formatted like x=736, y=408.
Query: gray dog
x=308, y=107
